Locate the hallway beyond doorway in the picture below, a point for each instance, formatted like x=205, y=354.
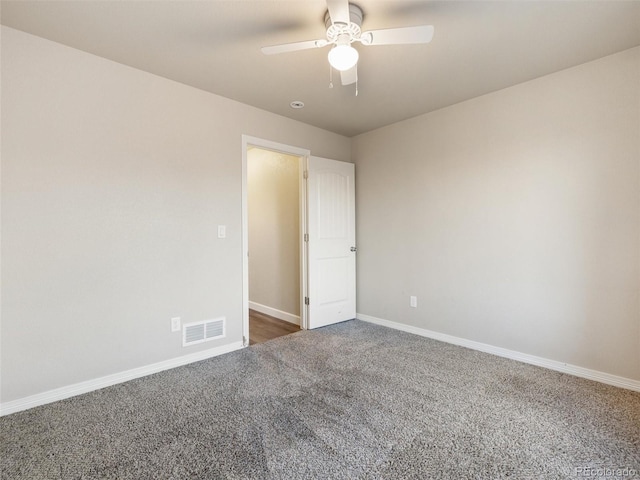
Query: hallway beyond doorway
x=264, y=327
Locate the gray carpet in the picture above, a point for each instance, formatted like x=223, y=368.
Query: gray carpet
x=350, y=401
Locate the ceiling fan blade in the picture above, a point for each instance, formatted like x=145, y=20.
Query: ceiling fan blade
x=292, y=47
x=339, y=11
x=347, y=77
x=397, y=36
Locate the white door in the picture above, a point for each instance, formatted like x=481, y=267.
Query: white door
x=331, y=245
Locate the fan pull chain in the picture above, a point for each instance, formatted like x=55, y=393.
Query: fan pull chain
x=356, y=84
x=330, y=77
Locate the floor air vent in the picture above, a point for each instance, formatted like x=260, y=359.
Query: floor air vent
x=203, y=331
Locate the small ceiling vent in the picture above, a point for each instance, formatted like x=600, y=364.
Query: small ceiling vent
x=203, y=331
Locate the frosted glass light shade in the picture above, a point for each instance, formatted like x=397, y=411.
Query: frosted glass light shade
x=343, y=57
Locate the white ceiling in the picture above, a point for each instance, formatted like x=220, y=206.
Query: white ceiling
x=478, y=47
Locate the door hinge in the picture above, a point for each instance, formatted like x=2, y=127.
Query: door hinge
x=306, y=300
x=305, y=174
x=306, y=237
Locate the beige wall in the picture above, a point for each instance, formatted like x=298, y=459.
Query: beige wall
x=274, y=230
x=113, y=184
x=513, y=217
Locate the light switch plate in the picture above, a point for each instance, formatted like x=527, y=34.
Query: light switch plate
x=175, y=324
x=222, y=231
x=413, y=302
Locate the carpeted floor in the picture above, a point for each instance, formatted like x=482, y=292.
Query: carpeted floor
x=350, y=401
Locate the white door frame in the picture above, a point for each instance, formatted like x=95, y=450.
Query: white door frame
x=249, y=141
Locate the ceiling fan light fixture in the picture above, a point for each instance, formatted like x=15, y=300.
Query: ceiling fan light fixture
x=343, y=57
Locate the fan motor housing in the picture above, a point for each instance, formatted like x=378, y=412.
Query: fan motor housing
x=352, y=28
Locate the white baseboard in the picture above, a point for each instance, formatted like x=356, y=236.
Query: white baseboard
x=287, y=317
x=595, y=375
x=102, y=382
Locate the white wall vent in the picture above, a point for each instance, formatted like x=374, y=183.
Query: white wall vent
x=203, y=331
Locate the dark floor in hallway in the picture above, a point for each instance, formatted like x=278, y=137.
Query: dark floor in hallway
x=264, y=327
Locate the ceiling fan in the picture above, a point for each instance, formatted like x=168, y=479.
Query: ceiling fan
x=343, y=21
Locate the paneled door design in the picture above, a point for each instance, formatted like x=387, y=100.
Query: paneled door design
x=331, y=242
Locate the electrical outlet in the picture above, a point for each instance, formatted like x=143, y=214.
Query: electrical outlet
x=413, y=302
x=175, y=324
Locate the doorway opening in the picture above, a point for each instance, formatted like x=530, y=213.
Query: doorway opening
x=274, y=256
